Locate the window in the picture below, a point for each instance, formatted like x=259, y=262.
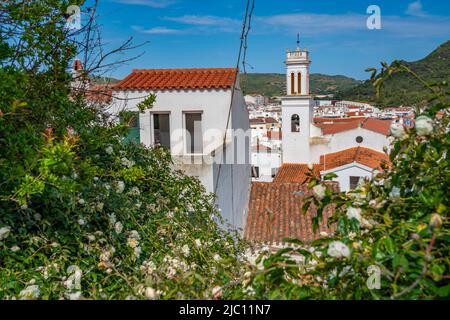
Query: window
x=133, y=128
x=292, y=83
x=359, y=139
x=255, y=172
x=354, y=182
x=161, y=129
x=299, y=84
x=194, y=137
x=295, y=123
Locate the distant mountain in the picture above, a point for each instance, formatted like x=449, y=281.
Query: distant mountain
x=274, y=84
x=403, y=89
x=104, y=80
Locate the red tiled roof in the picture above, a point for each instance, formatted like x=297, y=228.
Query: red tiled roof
x=274, y=135
x=179, y=79
x=275, y=213
x=295, y=173
x=77, y=65
x=337, y=127
x=99, y=93
x=372, y=124
x=364, y=156
x=338, y=120
x=377, y=125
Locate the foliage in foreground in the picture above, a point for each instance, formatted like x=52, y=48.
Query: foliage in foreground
x=83, y=214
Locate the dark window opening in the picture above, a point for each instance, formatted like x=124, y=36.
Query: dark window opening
x=161, y=129
x=295, y=123
x=359, y=139
x=194, y=138
x=354, y=182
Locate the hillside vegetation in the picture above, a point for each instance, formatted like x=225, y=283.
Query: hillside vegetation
x=401, y=88
x=273, y=84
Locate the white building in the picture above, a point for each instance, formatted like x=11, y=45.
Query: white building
x=305, y=141
x=191, y=114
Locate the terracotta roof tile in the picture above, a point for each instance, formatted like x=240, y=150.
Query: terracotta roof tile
x=178, y=79
x=274, y=135
x=295, y=173
x=275, y=213
x=100, y=93
x=364, y=156
x=341, y=125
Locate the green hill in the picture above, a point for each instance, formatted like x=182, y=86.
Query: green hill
x=403, y=89
x=273, y=84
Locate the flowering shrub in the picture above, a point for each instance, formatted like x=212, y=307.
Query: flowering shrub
x=84, y=215
x=392, y=238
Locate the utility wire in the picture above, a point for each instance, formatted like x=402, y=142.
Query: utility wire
x=246, y=26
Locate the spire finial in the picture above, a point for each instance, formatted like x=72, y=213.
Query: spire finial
x=298, y=40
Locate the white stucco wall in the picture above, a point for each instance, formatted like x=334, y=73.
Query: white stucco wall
x=233, y=184
x=296, y=144
x=345, y=172
x=346, y=140
x=266, y=162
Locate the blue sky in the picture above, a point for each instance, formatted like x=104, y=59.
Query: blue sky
x=205, y=33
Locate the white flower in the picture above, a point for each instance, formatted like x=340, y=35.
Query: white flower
x=151, y=293
x=118, y=227
x=109, y=150
x=95, y=179
x=132, y=243
x=81, y=201
x=112, y=218
x=310, y=166
x=30, y=293
x=99, y=206
x=137, y=251
x=216, y=257
x=120, y=186
x=4, y=232
x=185, y=250
x=424, y=125
x=24, y=207
x=134, y=191
x=198, y=243
x=338, y=249
x=134, y=234
x=15, y=248
x=397, y=130
x=323, y=234
x=217, y=292
x=74, y=296
x=37, y=216
x=127, y=163
x=81, y=222
x=395, y=193
x=354, y=213
x=91, y=237
x=319, y=191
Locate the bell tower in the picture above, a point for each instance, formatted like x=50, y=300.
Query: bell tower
x=297, y=107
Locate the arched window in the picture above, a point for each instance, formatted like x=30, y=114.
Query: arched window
x=292, y=83
x=299, y=83
x=295, y=123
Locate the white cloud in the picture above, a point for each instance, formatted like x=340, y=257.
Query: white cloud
x=415, y=9
x=310, y=24
x=204, y=20
x=157, y=30
x=148, y=3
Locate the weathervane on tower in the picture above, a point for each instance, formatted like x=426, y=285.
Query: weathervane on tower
x=298, y=40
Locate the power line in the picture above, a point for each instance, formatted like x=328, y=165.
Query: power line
x=246, y=26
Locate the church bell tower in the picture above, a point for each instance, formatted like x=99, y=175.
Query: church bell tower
x=297, y=107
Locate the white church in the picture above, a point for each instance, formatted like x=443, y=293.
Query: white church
x=351, y=150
